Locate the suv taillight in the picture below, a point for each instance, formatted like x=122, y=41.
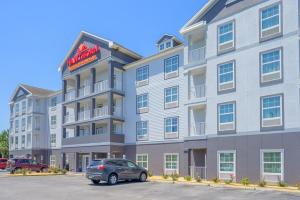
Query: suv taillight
x=101, y=167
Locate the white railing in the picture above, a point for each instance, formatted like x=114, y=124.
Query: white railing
x=101, y=130
x=198, y=172
x=101, y=86
x=84, y=115
x=197, y=91
x=199, y=129
x=70, y=95
x=197, y=55
x=69, y=118
x=117, y=111
x=117, y=130
x=101, y=112
x=84, y=91
x=118, y=84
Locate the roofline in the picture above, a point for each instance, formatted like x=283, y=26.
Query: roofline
x=155, y=56
x=110, y=43
x=202, y=11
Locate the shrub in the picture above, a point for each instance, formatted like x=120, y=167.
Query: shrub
x=229, y=181
x=216, y=180
x=174, y=177
x=298, y=186
x=281, y=184
x=18, y=171
x=150, y=174
x=64, y=171
x=188, y=178
x=165, y=176
x=245, y=181
x=198, y=179
x=262, y=183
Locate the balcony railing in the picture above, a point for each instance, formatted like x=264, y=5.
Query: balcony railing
x=101, y=86
x=197, y=91
x=117, y=111
x=101, y=112
x=198, y=129
x=197, y=55
x=70, y=95
x=69, y=119
x=84, y=91
x=84, y=115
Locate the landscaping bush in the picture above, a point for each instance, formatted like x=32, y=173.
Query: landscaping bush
x=165, y=176
x=64, y=171
x=262, y=183
x=298, y=186
x=282, y=184
x=174, y=177
x=229, y=181
x=188, y=178
x=245, y=181
x=198, y=179
x=150, y=174
x=216, y=180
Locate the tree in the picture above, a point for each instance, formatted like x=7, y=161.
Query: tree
x=4, y=145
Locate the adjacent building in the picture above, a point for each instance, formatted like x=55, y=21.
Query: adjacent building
x=224, y=104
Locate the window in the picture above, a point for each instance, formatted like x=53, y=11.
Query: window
x=271, y=65
x=270, y=21
x=53, y=101
x=23, y=124
x=171, y=65
x=226, y=116
x=16, y=141
x=37, y=123
x=52, y=160
x=142, y=101
x=23, y=140
x=272, y=110
x=226, y=76
x=142, y=73
x=23, y=107
x=53, y=140
x=226, y=164
x=17, y=109
x=171, y=125
x=168, y=44
x=226, y=36
x=272, y=165
x=28, y=140
x=171, y=163
x=142, y=130
x=142, y=160
x=16, y=125
x=161, y=46
x=171, y=94
x=53, y=120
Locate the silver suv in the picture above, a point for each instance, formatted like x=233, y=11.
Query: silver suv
x=114, y=170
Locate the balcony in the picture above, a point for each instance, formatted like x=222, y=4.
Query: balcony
x=197, y=55
x=197, y=91
x=101, y=112
x=84, y=91
x=84, y=115
x=198, y=129
x=101, y=86
x=69, y=119
x=70, y=95
x=117, y=111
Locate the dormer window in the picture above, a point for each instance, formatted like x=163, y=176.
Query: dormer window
x=167, y=42
x=161, y=47
x=165, y=45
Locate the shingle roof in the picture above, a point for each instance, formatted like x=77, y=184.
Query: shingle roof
x=37, y=91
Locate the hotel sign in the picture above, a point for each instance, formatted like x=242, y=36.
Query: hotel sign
x=83, y=56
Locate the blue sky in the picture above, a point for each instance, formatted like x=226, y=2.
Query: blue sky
x=36, y=35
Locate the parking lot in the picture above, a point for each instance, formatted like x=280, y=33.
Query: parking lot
x=78, y=188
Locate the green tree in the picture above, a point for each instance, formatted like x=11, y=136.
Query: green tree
x=4, y=146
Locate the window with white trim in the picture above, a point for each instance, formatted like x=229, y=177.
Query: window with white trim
x=226, y=36
x=270, y=20
x=142, y=160
x=23, y=124
x=52, y=161
x=17, y=126
x=23, y=141
x=227, y=164
x=17, y=109
x=23, y=107
x=226, y=116
x=272, y=111
x=171, y=163
x=53, y=101
x=226, y=75
x=171, y=64
x=53, y=140
x=171, y=94
x=271, y=65
x=272, y=166
x=53, y=120
x=142, y=73
x=171, y=125
x=142, y=101
x=142, y=130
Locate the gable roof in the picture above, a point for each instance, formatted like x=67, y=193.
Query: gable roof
x=200, y=13
x=110, y=43
x=167, y=36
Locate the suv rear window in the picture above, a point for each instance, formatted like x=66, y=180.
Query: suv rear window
x=96, y=162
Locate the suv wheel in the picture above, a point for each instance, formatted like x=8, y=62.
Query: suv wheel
x=112, y=179
x=143, y=177
x=96, y=182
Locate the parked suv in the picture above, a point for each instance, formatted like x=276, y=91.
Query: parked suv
x=3, y=162
x=114, y=170
x=24, y=163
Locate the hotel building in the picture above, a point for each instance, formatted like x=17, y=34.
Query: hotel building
x=224, y=104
